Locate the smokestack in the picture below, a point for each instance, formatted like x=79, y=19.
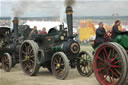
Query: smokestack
x=15, y=28
x=62, y=27
x=69, y=21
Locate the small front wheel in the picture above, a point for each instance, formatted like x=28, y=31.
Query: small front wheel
x=60, y=65
x=84, y=64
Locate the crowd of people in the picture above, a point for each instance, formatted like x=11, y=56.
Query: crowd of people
x=100, y=32
x=5, y=23
x=35, y=32
x=8, y=22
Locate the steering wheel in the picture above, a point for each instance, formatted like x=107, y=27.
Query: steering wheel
x=108, y=36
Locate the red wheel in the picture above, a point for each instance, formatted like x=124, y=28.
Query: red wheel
x=110, y=65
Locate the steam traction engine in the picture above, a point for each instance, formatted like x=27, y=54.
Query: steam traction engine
x=56, y=51
x=10, y=42
x=111, y=61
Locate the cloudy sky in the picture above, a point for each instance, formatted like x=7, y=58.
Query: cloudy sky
x=39, y=8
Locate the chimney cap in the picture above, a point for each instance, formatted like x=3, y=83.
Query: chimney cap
x=69, y=9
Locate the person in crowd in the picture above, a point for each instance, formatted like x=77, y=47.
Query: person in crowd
x=43, y=31
x=33, y=32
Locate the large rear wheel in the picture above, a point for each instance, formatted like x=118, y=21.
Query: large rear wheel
x=28, y=57
x=126, y=55
x=110, y=64
x=60, y=65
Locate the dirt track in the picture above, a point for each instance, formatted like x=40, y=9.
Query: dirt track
x=44, y=77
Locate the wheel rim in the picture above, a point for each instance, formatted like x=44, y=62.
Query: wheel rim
x=6, y=62
x=60, y=65
x=108, y=65
x=27, y=58
x=84, y=65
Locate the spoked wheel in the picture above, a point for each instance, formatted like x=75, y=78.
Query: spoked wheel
x=60, y=65
x=110, y=64
x=126, y=56
x=84, y=64
x=6, y=62
x=28, y=57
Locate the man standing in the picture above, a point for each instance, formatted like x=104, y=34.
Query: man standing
x=100, y=32
x=33, y=32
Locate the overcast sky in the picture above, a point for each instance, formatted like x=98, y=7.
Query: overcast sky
x=40, y=8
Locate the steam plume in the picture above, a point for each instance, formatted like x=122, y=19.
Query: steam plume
x=69, y=2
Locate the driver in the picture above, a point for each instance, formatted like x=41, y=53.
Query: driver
x=115, y=30
x=100, y=32
x=33, y=32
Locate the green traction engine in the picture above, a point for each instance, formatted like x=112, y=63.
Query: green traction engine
x=57, y=51
x=111, y=61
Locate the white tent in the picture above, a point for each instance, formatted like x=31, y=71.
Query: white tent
x=46, y=24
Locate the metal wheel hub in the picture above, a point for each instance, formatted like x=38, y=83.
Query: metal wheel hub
x=27, y=57
x=58, y=66
x=84, y=63
x=107, y=65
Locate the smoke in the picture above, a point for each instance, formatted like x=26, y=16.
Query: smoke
x=69, y=2
x=24, y=7
x=62, y=10
x=21, y=8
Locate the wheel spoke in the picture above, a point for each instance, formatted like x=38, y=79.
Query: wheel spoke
x=113, y=52
x=106, y=75
x=112, y=59
x=24, y=53
x=115, y=66
x=110, y=78
x=104, y=56
x=59, y=59
x=114, y=74
x=117, y=71
x=100, y=59
x=101, y=64
x=32, y=61
x=117, y=61
x=24, y=60
x=26, y=67
x=105, y=51
x=109, y=54
x=100, y=69
x=56, y=61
